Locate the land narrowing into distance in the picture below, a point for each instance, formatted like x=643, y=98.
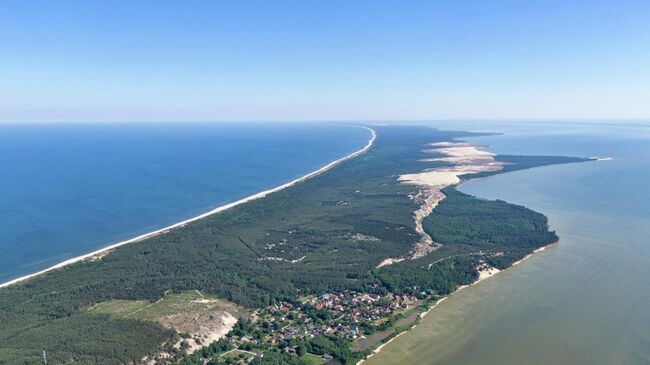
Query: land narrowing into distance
x=261, y=194
x=367, y=226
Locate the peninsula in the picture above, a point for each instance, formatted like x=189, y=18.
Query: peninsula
x=324, y=268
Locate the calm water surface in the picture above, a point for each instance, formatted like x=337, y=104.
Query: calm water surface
x=585, y=300
x=69, y=189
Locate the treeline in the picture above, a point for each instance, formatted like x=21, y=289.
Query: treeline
x=514, y=163
x=85, y=339
x=224, y=255
x=486, y=224
x=471, y=231
x=227, y=255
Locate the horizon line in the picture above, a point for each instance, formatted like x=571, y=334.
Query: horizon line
x=351, y=120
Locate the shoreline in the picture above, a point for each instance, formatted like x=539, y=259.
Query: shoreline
x=484, y=157
x=460, y=159
x=423, y=314
x=262, y=194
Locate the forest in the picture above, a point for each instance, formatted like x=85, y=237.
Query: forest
x=298, y=241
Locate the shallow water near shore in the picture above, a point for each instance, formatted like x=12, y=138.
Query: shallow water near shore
x=69, y=189
x=582, y=301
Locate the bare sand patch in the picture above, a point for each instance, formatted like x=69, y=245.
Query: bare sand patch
x=460, y=159
x=200, y=319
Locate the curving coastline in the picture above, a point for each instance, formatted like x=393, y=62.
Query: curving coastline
x=462, y=158
x=465, y=158
x=105, y=250
x=439, y=301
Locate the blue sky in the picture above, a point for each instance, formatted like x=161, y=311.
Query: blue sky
x=323, y=60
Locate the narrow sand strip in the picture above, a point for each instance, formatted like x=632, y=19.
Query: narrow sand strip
x=460, y=158
x=207, y=214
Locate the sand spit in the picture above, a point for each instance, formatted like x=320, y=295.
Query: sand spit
x=103, y=251
x=459, y=158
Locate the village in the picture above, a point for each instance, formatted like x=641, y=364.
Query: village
x=286, y=327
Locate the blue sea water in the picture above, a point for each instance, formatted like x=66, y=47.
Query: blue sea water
x=67, y=189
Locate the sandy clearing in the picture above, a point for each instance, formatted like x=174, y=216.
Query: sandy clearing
x=460, y=158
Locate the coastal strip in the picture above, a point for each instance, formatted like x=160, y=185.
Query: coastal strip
x=487, y=275
x=463, y=158
x=222, y=208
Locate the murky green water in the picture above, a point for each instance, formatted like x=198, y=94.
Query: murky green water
x=585, y=300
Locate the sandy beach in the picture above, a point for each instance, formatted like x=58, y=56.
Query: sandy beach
x=107, y=249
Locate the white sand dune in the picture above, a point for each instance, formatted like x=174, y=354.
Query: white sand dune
x=459, y=158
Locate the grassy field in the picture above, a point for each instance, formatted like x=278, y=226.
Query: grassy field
x=121, y=308
x=312, y=359
x=183, y=307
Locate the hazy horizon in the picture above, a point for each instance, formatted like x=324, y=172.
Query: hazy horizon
x=323, y=60
x=446, y=122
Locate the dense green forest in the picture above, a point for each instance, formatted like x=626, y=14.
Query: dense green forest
x=514, y=163
x=471, y=231
x=313, y=223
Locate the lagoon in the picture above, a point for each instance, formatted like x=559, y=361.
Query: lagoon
x=581, y=301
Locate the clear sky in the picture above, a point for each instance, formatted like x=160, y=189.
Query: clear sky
x=115, y=60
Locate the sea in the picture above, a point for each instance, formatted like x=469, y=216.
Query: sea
x=585, y=300
x=67, y=189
